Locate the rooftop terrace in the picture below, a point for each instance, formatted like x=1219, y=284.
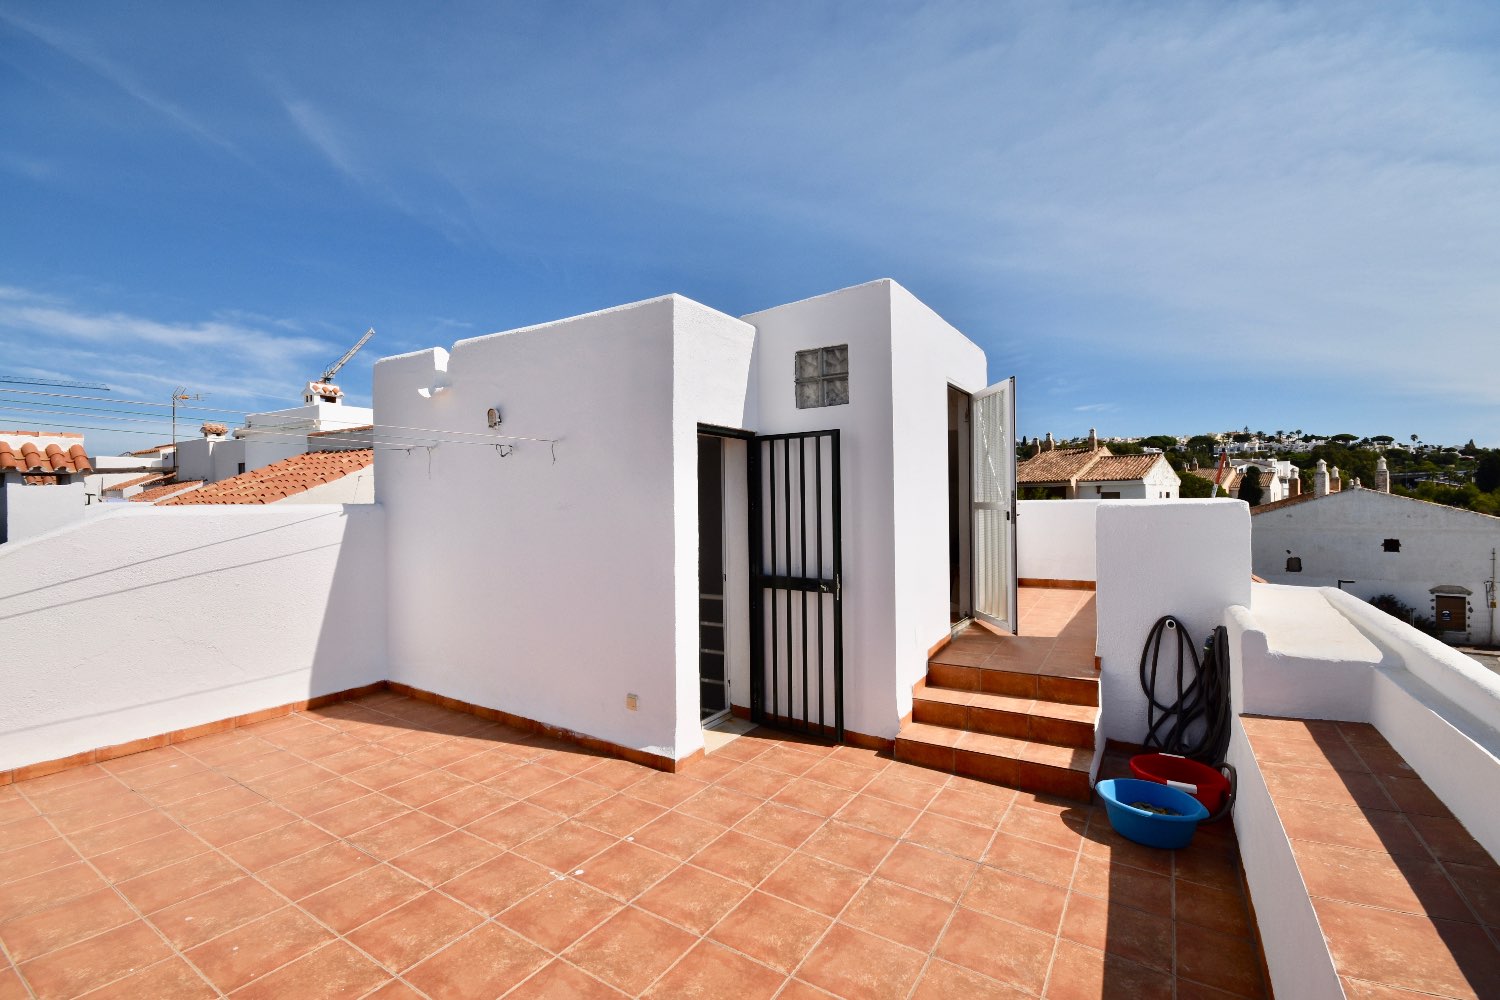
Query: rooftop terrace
x=388, y=847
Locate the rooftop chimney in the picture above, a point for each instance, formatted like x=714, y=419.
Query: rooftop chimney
x=1050, y=443
x=1382, y=476
x=1093, y=440
x=1335, y=481
x=1294, y=486
x=1320, y=479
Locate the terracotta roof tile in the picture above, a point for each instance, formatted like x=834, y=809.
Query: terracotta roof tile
x=148, y=479
x=1110, y=468
x=1056, y=466
x=280, y=480
x=156, y=493
x=29, y=458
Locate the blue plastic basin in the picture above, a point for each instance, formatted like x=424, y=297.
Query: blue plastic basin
x=1151, y=829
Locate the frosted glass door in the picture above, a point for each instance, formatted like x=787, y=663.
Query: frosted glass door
x=994, y=471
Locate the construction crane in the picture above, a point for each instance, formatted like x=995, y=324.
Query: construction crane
x=323, y=390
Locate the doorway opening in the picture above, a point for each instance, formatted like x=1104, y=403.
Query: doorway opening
x=960, y=517
x=713, y=617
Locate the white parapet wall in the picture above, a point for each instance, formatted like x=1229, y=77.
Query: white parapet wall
x=147, y=620
x=1187, y=558
x=1057, y=540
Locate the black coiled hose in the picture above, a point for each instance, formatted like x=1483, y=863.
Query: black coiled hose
x=1174, y=728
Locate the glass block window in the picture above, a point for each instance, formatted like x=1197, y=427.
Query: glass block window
x=823, y=377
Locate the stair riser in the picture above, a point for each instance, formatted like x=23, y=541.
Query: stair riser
x=1068, y=690
x=1024, y=775
x=997, y=722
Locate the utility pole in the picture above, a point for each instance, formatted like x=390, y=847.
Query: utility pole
x=179, y=394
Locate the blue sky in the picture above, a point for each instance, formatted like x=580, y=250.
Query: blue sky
x=1159, y=217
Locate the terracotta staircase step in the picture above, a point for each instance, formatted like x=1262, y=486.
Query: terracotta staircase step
x=1069, y=683
x=1035, y=719
x=1023, y=764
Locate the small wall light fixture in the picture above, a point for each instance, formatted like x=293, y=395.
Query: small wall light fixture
x=492, y=415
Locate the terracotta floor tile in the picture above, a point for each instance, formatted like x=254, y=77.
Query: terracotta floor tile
x=1231, y=964
x=481, y=965
x=1080, y=973
x=720, y=805
x=254, y=949
x=832, y=771
x=356, y=758
x=1350, y=826
x=559, y=913
x=709, y=972
x=898, y=913
x=526, y=780
x=1126, y=886
x=95, y=962
x=1035, y=860
x=185, y=787
x=59, y=926
x=943, y=981
x=484, y=766
x=626, y=870
x=787, y=761
x=893, y=786
x=780, y=824
x=620, y=815
x=678, y=835
x=1312, y=784
x=316, y=870
x=111, y=810
x=940, y=875
x=1208, y=866
x=398, y=836
x=362, y=897
x=814, y=883
x=630, y=950
x=184, y=879
x=1010, y=953
x=1411, y=952
x=813, y=796
x=333, y=971
x=951, y=836
x=218, y=911
x=358, y=814
x=514, y=825
x=771, y=931
x=387, y=773
x=850, y=963
x=881, y=815
x=42, y=856
x=113, y=836
x=275, y=846
x=565, y=847
x=321, y=797
x=742, y=858
x=1005, y=894
x=1407, y=884
x=1449, y=841
x=202, y=807
x=464, y=807
x=850, y=846
x=1359, y=989
x=404, y=936
x=692, y=898
x=616, y=774
x=1413, y=797
x=498, y=883
x=560, y=981
x=570, y=796
x=172, y=979
x=752, y=779
x=1216, y=909
x=1063, y=830
x=242, y=824
x=1102, y=843
x=28, y=895
x=1132, y=934
x=1480, y=887
x=446, y=857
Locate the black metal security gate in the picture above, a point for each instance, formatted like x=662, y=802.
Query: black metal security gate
x=796, y=583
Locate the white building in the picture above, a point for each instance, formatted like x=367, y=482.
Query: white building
x=1438, y=560
x=1096, y=473
x=266, y=438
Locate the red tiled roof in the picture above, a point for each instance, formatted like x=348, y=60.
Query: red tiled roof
x=280, y=480
x=1227, y=483
x=1286, y=502
x=156, y=493
x=150, y=477
x=1112, y=468
x=1056, y=466
x=153, y=451
x=52, y=458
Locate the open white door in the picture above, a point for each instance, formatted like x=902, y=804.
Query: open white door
x=993, y=428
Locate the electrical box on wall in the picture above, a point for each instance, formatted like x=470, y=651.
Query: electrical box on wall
x=632, y=702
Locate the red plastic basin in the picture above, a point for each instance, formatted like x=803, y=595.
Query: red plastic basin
x=1202, y=782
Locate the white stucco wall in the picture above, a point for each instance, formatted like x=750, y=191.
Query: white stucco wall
x=165, y=618
x=356, y=487
x=552, y=589
x=27, y=511
x=1057, y=539
x=1341, y=536
x=902, y=357
x=1188, y=558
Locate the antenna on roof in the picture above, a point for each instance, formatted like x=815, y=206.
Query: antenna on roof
x=60, y=383
x=323, y=390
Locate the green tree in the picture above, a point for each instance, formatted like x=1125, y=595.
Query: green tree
x=1195, y=486
x=1250, y=490
x=1487, y=475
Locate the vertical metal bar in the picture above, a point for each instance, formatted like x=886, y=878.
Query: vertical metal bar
x=838, y=591
x=818, y=499
x=775, y=638
x=786, y=480
x=757, y=584
x=802, y=569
